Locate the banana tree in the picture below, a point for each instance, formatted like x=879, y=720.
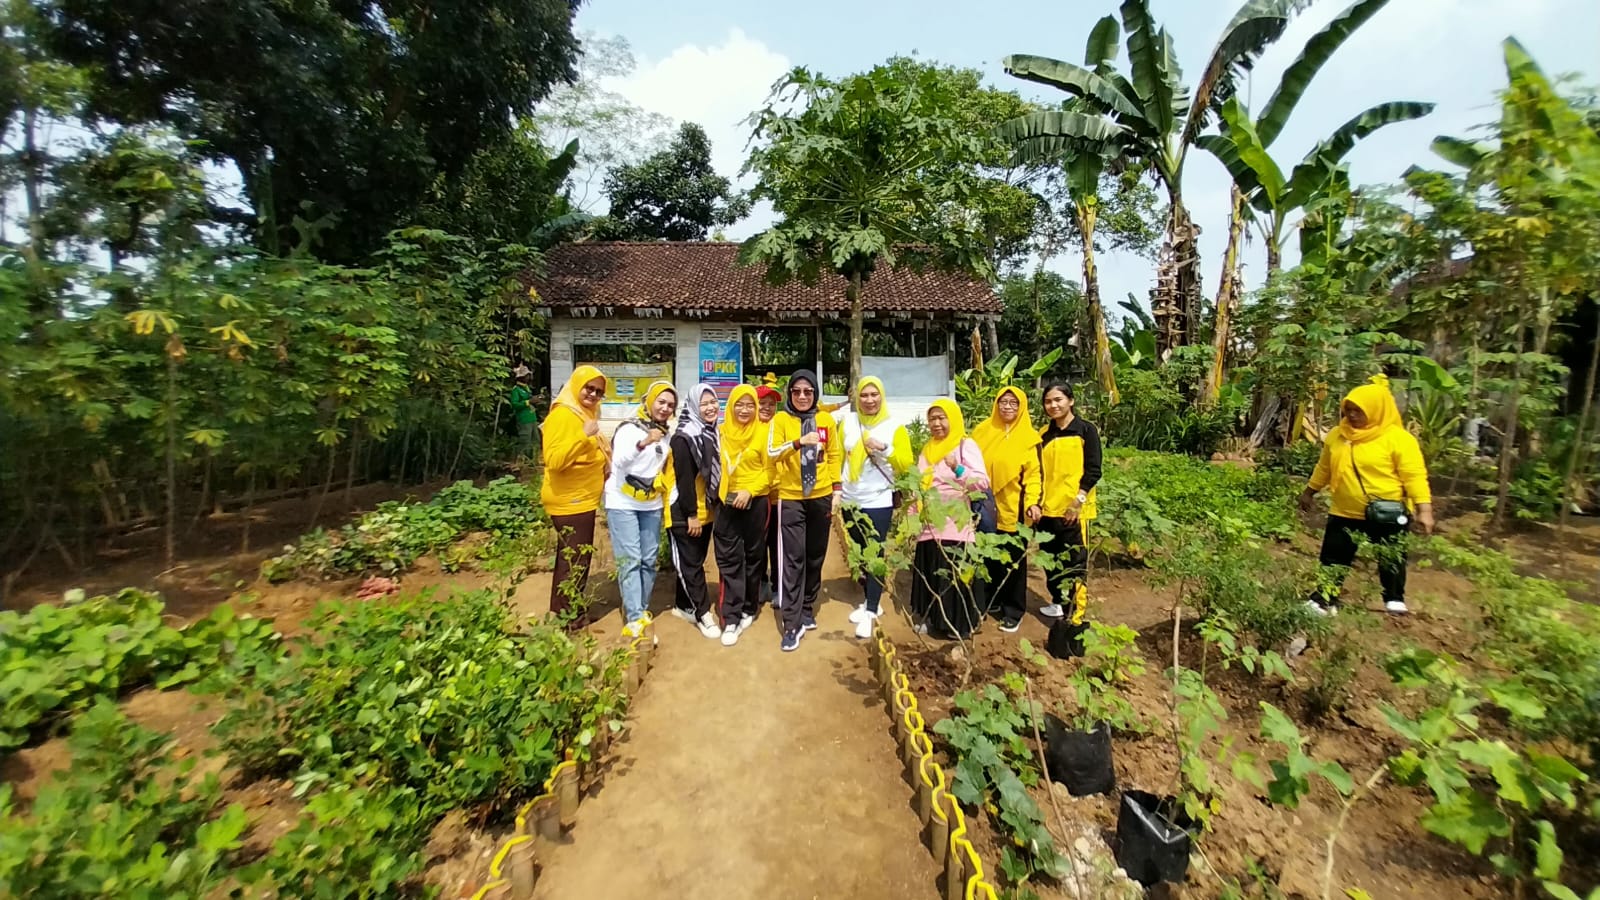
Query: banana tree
x=1084, y=144
x=1161, y=119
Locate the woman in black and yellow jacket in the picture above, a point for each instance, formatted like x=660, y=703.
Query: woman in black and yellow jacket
x=1069, y=466
x=807, y=453
x=695, y=471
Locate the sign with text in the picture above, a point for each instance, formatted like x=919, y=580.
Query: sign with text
x=627, y=382
x=721, y=366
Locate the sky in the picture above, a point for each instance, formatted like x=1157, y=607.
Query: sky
x=714, y=61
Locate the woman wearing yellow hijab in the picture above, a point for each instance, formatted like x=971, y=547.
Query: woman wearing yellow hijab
x=1379, y=481
x=740, y=528
x=877, y=450
x=575, y=467
x=944, y=604
x=1010, y=447
x=635, y=500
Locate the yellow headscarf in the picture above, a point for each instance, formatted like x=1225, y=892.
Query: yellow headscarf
x=737, y=438
x=936, y=450
x=1377, y=401
x=656, y=389
x=568, y=397
x=994, y=437
x=858, y=453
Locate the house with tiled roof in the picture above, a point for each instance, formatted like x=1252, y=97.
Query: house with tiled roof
x=688, y=311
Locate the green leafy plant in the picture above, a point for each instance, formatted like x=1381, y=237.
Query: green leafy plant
x=994, y=768
x=391, y=538
x=1218, y=631
x=1198, y=715
x=56, y=659
x=124, y=820
x=440, y=696
x=1110, y=660
x=350, y=842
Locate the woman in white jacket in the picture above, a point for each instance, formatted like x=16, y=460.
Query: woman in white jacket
x=635, y=498
x=877, y=450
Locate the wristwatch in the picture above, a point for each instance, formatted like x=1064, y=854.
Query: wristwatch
x=1083, y=498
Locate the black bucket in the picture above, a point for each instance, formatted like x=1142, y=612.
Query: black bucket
x=1065, y=639
x=1081, y=760
x=1152, y=838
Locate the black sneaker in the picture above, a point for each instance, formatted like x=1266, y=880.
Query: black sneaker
x=791, y=641
x=1010, y=626
x=810, y=623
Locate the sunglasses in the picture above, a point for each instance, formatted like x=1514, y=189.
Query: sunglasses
x=1009, y=401
x=802, y=392
x=593, y=391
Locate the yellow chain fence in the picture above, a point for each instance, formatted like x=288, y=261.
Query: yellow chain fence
x=944, y=824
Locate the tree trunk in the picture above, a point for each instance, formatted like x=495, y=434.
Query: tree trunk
x=1186, y=252
x=171, y=544
x=1097, y=314
x=1274, y=258
x=1226, y=296
x=1508, y=441
x=992, y=336
x=853, y=292
x=1573, y=470
x=40, y=302
x=1175, y=301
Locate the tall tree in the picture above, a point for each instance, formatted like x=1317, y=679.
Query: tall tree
x=672, y=195
x=514, y=191
x=1259, y=182
x=879, y=169
x=354, y=108
x=1161, y=119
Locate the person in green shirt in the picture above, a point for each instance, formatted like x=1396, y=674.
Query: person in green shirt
x=527, y=418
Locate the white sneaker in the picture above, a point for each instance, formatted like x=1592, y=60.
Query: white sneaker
x=859, y=615
x=864, y=628
x=684, y=614
x=730, y=635
x=1398, y=607
x=920, y=628
x=745, y=623
x=1324, y=611
x=1052, y=611
x=709, y=627
x=637, y=626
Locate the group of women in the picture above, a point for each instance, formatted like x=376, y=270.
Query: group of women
x=758, y=486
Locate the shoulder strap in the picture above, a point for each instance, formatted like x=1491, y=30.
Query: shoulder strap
x=1354, y=466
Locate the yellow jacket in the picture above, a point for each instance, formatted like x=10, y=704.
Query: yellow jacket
x=748, y=469
x=1069, y=463
x=1391, y=467
x=1011, y=456
x=574, y=465
x=785, y=430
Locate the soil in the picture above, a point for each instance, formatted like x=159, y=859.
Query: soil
x=1381, y=848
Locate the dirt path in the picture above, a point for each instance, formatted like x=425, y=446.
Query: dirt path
x=748, y=772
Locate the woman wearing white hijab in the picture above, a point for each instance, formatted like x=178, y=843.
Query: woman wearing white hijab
x=696, y=473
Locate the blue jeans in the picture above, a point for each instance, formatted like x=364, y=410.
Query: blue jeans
x=635, y=541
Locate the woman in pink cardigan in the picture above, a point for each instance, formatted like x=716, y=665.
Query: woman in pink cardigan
x=946, y=593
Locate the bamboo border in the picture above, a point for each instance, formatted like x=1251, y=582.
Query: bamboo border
x=514, y=870
x=944, y=824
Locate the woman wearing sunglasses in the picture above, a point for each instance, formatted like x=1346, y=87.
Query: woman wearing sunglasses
x=806, y=453
x=576, y=463
x=635, y=500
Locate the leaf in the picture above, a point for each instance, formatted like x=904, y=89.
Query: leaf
x=1152, y=68
x=1516, y=698
x=1546, y=853
x=1471, y=821
x=1100, y=50
x=1275, y=726
x=1318, y=50
x=1333, y=148
x=1252, y=151
x=1102, y=94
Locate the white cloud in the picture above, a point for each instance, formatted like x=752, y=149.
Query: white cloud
x=716, y=86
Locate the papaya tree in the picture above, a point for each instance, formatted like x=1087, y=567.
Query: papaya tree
x=1162, y=118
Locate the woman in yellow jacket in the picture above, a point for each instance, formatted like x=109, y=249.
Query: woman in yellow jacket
x=806, y=452
x=740, y=530
x=1370, y=457
x=575, y=468
x=1010, y=448
x=1069, y=469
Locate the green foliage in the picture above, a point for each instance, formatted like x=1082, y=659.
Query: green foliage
x=1291, y=775
x=1297, y=460
x=349, y=842
x=1200, y=715
x=437, y=696
x=1488, y=794
x=977, y=388
x=1192, y=491
x=994, y=767
x=1040, y=312
x=125, y=820
x=61, y=659
x=1218, y=631
x=672, y=195
x=1110, y=660
x=390, y=538
x=1155, y=412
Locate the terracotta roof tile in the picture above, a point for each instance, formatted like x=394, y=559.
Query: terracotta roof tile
x=706, y=275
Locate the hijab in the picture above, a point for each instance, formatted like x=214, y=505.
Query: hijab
x=651, y=393
x=936, y=450
x=1376, y=400
x=701, y=438
x=568, y=397
x=858, y=453
x=808, y=425
x=733, y=438
x=997, y=439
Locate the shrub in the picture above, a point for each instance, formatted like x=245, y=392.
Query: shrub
x=391, y=538
x=1191, y=491
x=349, y=842
x=57, y=659
x=438, y=696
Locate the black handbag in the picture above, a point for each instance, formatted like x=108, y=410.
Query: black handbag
x=985, y=511
x=1381, y=512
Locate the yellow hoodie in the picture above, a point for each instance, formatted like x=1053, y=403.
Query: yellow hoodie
x=744, y=450
x=1011, y=454
x=1387, y=455
x=574, y=463
x=785, y=456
